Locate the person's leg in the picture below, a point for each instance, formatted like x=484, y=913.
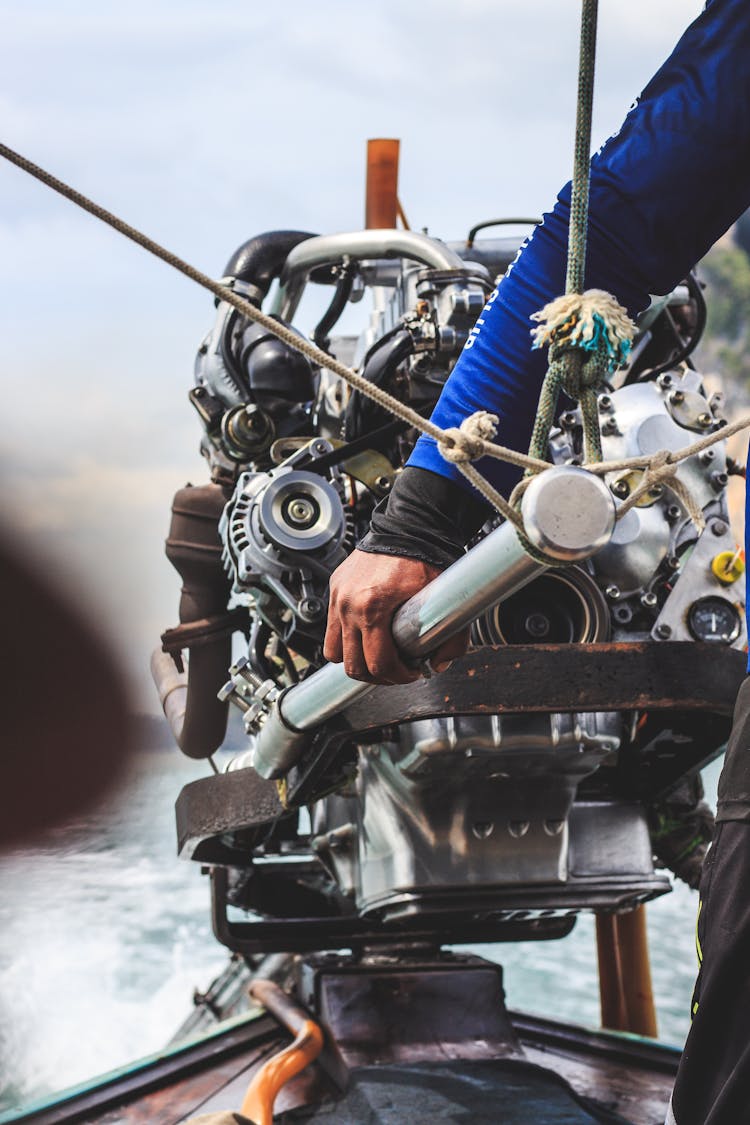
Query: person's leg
x=713, y=1081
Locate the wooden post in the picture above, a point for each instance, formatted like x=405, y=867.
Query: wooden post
x=611, y=999
x=636, y=972
x=381, y=203
x=626, y=995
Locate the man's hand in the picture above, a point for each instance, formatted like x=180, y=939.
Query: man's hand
x=366, y=591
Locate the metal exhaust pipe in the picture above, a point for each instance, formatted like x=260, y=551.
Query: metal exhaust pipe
x=568, y=513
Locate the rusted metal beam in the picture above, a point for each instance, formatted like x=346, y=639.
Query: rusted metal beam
x=679, y=676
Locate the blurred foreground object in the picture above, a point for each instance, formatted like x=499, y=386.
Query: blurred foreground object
x=67, y=724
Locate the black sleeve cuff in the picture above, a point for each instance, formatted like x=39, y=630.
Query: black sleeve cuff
x=425, y=517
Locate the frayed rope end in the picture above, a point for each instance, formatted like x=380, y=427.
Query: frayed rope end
x=592, y=321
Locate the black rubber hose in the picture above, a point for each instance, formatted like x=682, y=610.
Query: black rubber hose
x=336, y=307
x=382, y=361
x=687, y=349
x=261, y=259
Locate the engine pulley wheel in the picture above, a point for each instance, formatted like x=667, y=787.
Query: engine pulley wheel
x=300, y=511
x=560, y=607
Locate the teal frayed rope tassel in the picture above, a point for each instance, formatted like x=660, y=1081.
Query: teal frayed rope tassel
x=591, y=322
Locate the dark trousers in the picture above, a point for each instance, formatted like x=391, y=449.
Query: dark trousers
x=713, y=1081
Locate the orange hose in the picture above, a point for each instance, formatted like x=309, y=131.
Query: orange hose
x=307, y=1045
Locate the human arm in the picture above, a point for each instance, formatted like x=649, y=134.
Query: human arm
x=663, y=189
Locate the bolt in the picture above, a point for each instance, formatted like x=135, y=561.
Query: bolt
x=200, y=392
x=673, y=512
x=663, y=631
x=620, y=488
x=623, y=614
x=649, y=600
x=719, y=480
x=612, y=592
x=707, y=456
x=605, y=402
x=518, y=828
x=382, y=484
x=482, y=829
x=310, y=608
x=609, y=426
x=705, y=420
x=664, y=381
x=568, y=419
x=300, y=511
x=677, y=397
x=229, y=693
x=718, y=527
x=673, y=563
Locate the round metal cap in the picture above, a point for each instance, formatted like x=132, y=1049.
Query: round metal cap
x=568, y=513
x=301, y=511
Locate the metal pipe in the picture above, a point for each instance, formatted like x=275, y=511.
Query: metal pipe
x=493, y=570
x=280, y=1004
x=358, y=245
x=569, y=511
x=381, y=192
x=282, y=1067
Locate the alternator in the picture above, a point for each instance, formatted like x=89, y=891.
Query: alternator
x=284, y=533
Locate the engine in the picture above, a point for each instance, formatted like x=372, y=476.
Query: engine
x=439, y=811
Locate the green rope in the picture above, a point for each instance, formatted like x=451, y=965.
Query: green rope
x=579, y=202
x=580, y=375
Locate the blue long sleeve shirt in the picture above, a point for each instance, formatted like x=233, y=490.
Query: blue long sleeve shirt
x=663, y=189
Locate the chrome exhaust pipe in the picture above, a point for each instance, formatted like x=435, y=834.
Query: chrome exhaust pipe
x=568, y=513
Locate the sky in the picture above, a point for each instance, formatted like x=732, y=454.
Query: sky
x=203, y=122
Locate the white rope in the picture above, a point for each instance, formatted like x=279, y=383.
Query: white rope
x=462, y=445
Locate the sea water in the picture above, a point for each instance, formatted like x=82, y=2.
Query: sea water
x=104, y=935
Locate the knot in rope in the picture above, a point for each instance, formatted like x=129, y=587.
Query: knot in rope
x=467, y=441
x=589, y=336
x=578, y=373
x=661, y=469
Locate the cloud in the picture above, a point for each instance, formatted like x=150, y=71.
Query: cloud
x=206, y=123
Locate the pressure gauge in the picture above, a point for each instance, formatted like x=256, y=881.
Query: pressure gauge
x=715, y=620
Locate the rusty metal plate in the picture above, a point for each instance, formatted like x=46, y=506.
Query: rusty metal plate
x=229, y=802
x=678, y=676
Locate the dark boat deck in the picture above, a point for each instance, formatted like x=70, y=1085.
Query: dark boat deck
x=630, y=1076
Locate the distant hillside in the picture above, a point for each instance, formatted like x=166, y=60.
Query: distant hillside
x=726, y=344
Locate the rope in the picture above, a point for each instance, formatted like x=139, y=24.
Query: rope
x=581, y=376
x=320, y=358
x=462, y=445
